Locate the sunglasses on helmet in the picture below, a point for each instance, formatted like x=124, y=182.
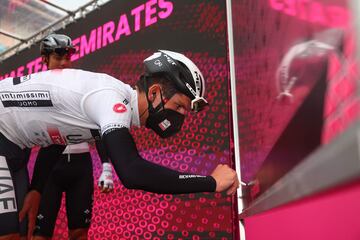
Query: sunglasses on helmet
x=198, y=104
x=64, y=51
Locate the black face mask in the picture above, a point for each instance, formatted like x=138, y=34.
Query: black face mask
x=164, y=122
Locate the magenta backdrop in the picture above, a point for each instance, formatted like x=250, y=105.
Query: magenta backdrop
x=278, y=38
x=320, y=217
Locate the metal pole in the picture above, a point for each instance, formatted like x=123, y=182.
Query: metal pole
x=234, y=111
x=11, y=36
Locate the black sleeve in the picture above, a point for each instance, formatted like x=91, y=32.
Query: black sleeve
x=137, y=173
x=45, y=162
x=100, y=147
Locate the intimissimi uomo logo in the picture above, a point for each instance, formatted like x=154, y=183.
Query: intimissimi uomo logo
x=26, y=99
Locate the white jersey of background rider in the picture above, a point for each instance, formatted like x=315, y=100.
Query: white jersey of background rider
x=62, y=106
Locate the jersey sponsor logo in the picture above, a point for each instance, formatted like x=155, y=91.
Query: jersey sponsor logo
x=119, y=108
x=111, y=127
x=26, y=99
x=164, y=124
x=18, y=80
x=25, y=78
x=55, y=136
x=7, y=193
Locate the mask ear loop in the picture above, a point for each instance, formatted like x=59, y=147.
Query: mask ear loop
x=151, y=109
x=161, y=105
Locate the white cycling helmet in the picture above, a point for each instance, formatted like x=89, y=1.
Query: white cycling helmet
x=58, y=43
x=182, y=71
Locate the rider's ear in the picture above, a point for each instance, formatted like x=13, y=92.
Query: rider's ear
x=153, y=92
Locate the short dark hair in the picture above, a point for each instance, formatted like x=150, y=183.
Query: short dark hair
x=168, y=86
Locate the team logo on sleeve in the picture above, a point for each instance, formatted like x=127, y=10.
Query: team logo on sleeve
x=119, y=108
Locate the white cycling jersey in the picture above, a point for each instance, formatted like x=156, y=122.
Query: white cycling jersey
x=64, y=107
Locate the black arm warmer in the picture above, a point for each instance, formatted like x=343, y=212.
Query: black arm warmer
x=100, y=147
x=137, y=173
x=45, y=161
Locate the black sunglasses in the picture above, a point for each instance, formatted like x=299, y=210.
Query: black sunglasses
x=64, y=51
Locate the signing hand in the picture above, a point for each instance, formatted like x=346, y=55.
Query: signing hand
x=226, y=179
